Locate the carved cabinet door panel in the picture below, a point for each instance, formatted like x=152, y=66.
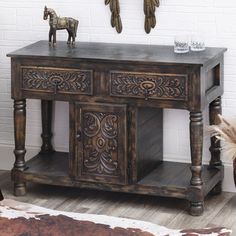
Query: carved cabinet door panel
x=101, y=142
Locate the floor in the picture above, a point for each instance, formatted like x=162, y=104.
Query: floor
x=219, y=210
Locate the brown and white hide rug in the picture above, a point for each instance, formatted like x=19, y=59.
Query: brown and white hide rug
x=21, y=219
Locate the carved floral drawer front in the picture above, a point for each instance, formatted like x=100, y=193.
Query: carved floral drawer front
x=101, y=137
x=149, y=85
x=56, y=80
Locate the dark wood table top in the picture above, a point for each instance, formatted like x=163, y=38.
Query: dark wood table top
x=118, y=52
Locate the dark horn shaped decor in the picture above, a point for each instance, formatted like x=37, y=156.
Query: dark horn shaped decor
x=115, y=14
x=149, y=11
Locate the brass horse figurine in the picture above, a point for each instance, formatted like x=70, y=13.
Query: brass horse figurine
x=60, y=23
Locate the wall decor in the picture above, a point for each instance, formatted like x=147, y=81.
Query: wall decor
x=115, y=14
x=149, y=11
x=60, y=23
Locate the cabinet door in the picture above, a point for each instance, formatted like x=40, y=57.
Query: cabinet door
x=101, y=143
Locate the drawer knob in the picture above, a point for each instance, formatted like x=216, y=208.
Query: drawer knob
x=147, y=87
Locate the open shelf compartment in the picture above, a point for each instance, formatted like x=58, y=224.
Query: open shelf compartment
x=168, y=179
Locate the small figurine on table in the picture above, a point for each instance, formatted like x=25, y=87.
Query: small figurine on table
x=59, y=23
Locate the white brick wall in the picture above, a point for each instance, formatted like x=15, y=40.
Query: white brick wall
x=21, y=23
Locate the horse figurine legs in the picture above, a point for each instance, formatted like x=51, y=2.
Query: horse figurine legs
x=71, y=37
x=52, y=36
x=71, y=33
x=72, y=29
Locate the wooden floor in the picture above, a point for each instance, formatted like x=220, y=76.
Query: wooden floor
x=219, y=210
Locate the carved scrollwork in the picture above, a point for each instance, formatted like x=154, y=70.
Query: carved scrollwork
x=100, y=163
x=156, y=86
x=109, y=126
x=57, y=80
x=100, y=143
x=92, y=124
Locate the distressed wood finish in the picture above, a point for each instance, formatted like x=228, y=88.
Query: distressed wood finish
x=214, y=110
x=196, y=142
x=46, y=114
x=20, y=126
x=196, y=139
x=116, y=117
x=149, y=86
x=101, y=142
x=148, y=142
x=57, y=80
x=169, y=212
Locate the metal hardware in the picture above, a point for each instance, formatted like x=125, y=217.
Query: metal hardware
x=56, y=84
x=148, y=87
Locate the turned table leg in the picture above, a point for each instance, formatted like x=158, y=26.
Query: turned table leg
x=19, y=165
x=196, y=143
x=214, y=110
x=46, y=110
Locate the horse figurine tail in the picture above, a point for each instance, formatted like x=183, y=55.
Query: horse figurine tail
x=76, y=27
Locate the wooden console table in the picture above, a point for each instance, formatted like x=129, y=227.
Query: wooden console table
x=117, y=94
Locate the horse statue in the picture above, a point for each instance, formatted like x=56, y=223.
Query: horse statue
x=60, y=23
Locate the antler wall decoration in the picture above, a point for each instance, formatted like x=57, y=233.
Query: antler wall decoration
x=149, y=11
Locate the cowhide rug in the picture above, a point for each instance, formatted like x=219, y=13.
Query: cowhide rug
x=21, y=219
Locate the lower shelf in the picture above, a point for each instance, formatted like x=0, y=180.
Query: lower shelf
x=169, y=179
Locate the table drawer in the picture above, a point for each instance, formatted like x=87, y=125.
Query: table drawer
x=57, y=80
x=149, y=85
